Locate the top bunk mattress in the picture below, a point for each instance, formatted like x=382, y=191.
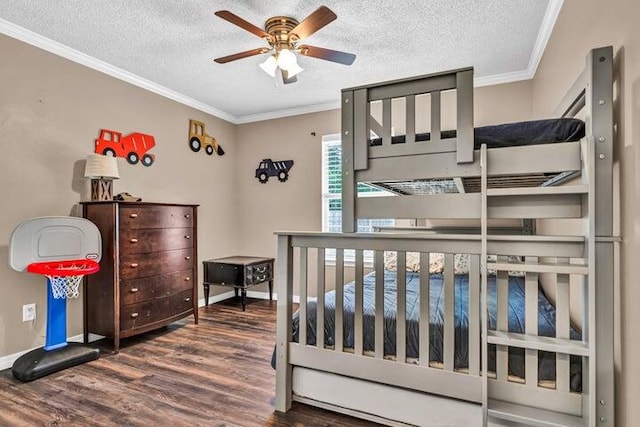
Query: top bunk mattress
x=547, y=131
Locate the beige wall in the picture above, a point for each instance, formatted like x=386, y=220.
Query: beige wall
x=51, y=110
x=583, y=25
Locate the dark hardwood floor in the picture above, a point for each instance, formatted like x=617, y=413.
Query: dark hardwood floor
x=217, y=373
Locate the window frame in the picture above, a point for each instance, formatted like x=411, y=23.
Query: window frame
x=327, y=196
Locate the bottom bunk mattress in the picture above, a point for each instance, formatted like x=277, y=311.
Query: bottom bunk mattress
x=516, y=368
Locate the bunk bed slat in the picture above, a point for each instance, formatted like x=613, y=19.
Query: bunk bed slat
x=320, y=298
x=531, y=322
x=517, y=245
x=461, y=206
x=284, y=281
x=424, y=332
x=474, y=315
x=358, y=324
x=339, y=300
x=532, y=416
x=386, y=122
x=428, y=84
x=436, y=117
x=405, y=375
x=557, y=345
x=502, y=324
x=449, y=331
x=558, y=268
x=379, y=298
x=532, y=159
x=465, y=131
x=401, y=308
x=422, y=147
x=558, y=157
x=410, y=113
x=303, y=296
x=362, y=115
x=562, y=327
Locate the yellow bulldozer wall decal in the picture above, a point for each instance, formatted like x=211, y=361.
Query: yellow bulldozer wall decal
x=199, y=138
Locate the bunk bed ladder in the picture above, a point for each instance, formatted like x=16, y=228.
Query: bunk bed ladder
x=499, y=399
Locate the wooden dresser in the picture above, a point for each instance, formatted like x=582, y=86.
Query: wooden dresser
x=148, y=272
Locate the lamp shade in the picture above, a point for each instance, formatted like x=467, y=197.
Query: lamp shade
x=287, y=59
x=269, y=65
x=99, y=166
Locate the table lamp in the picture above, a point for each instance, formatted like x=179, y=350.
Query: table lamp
x=102, y=170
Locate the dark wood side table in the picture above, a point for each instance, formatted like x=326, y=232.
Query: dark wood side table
x=240, y=272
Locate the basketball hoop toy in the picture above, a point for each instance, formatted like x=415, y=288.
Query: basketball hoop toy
x=64, y=250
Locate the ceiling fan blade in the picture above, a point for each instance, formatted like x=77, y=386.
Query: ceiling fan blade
x=286, y=79
x=240, y=55
x=236, y=20
x=312, y=23
x=327, y=54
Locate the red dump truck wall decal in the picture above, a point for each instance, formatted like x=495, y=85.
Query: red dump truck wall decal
x=133, y=147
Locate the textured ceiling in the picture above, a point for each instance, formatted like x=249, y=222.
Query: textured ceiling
x=173, y=43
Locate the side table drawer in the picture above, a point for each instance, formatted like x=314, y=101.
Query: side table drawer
x=258, y=273
x=224, y=274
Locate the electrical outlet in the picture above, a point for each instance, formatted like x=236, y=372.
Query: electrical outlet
x=29, y=312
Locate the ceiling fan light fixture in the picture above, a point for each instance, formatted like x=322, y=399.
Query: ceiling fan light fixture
x=295, y=70
x=287, y=60
x=269, y=65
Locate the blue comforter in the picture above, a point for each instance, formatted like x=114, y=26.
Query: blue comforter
x=546, y=321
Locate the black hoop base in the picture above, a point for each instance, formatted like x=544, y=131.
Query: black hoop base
x=40, y=362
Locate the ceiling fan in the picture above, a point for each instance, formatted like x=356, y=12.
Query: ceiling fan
x=283, y=34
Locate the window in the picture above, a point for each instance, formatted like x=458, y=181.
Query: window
x=332, y=195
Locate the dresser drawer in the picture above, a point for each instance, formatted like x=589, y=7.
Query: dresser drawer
x=138, y=241
x=133, y=266
x=134, y=291
x=136, y=217
x=144, y=313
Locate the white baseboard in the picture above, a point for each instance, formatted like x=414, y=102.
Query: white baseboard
x=265, y=295
x=250, y=294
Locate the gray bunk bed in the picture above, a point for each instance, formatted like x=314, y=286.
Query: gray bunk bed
x=386, y=378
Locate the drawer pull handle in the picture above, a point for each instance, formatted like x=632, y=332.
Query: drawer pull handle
x=186, y=279
x=187, y=237
x=261, y=278
x=134, y=315
x=261, y=269
x=187, y=258
x=133, y=215
x=134, y=290
x=187, y=215
x=134, y=240
x=187, y=299
x=134, y=264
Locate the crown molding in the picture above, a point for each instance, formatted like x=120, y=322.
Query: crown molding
x=34, y=39
x=546, y=28
x=74, y=55
x=296, y=111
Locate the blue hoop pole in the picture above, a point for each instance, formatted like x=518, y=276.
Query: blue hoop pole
x=56, y=320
